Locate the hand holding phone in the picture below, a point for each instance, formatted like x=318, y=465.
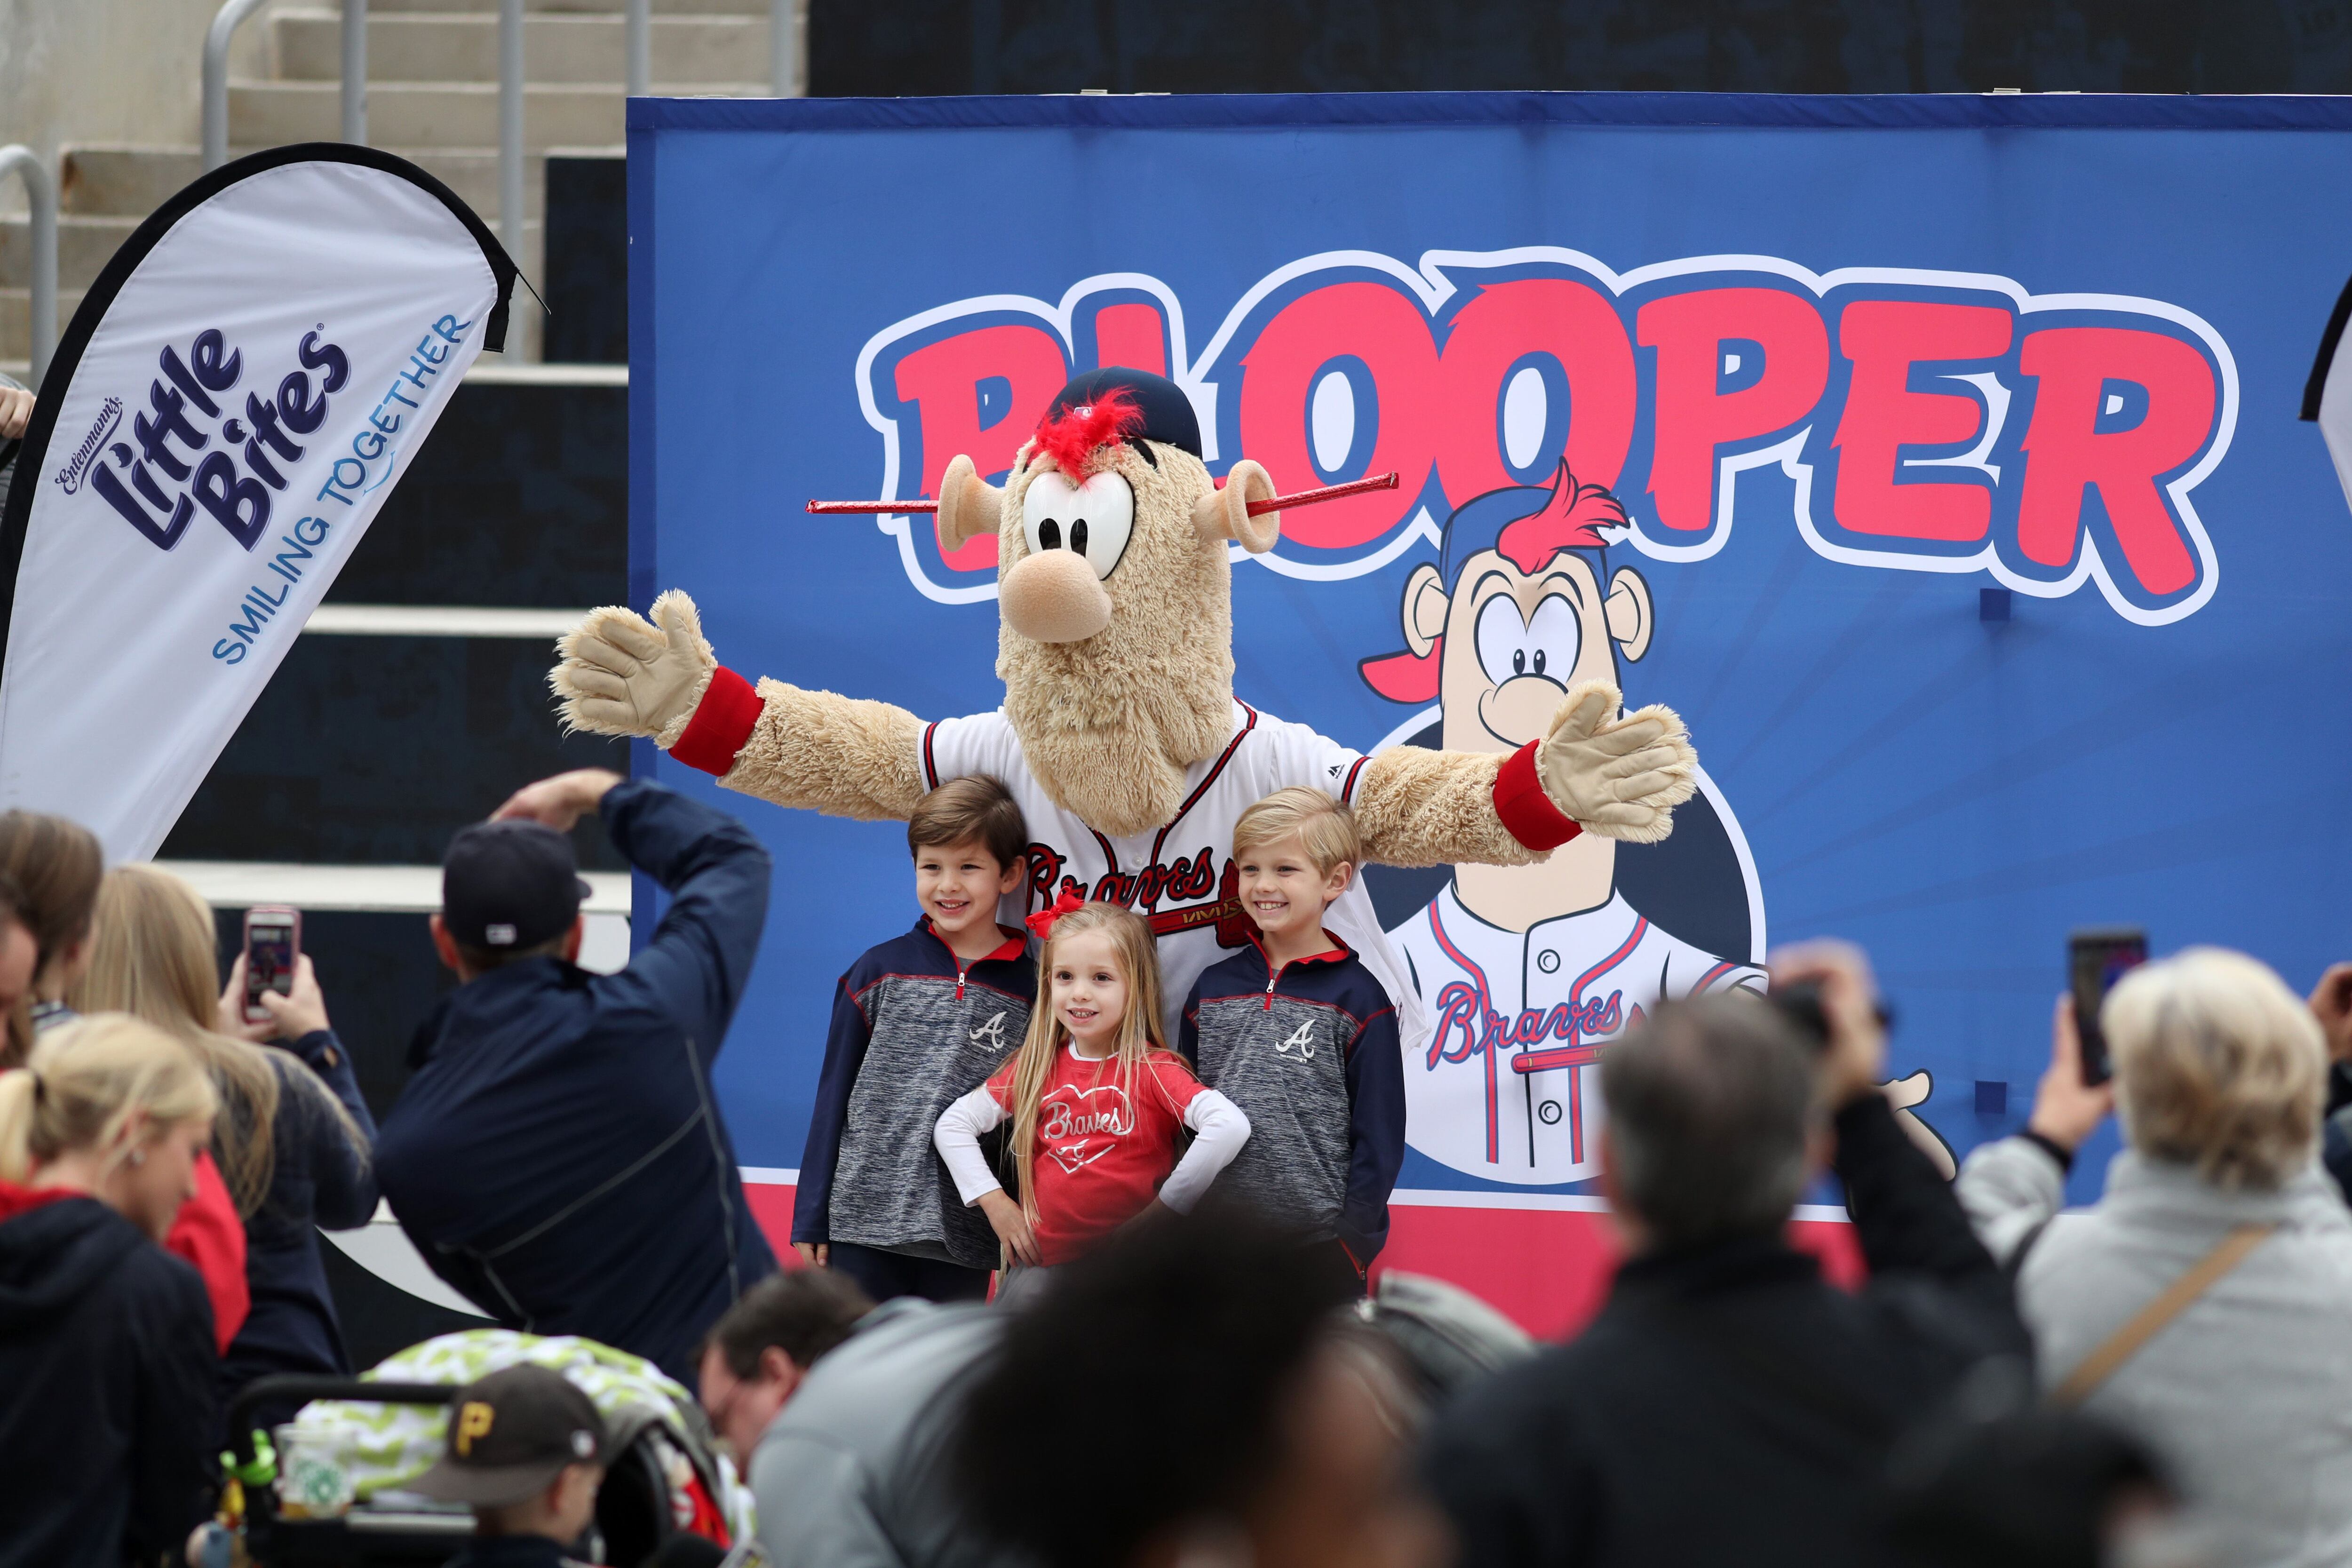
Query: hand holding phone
x=2095, y=960
x=273, y=942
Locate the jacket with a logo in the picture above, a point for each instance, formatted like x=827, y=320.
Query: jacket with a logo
x=1311, y=1056
x=559, y=1156
x=914, y=1029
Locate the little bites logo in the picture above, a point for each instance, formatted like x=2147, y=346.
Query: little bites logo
x=1929, y=421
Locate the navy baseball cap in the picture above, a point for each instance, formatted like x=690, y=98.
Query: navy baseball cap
x=510, y=885
x=1168, y=417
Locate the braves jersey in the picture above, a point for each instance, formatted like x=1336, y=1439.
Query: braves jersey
x=1180, y=875
x=1505, y=1084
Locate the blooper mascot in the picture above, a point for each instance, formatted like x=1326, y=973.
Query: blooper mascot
x=1121, y=735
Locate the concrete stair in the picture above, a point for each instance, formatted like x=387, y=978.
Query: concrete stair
x=432, y=98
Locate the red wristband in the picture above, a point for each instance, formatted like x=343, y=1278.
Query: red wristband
x=720, y=725
x=1527, y=812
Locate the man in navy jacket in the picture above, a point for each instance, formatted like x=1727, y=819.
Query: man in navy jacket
x=559, y=1156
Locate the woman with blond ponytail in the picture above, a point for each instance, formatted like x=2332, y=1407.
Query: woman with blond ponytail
x=293, y=1136
x=106, y=1340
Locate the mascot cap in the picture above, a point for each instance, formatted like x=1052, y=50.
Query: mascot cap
x=1168, y=417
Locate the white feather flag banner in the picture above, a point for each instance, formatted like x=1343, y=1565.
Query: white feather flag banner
x=2328, y=395
x=238, y=393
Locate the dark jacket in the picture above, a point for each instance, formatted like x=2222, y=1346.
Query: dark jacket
x=1729, y=1406
x=930, y=1029
x=517, y=1552
x=1311, y=1056
x=321, y=1180
x=106, y=1387
x=559, y=1157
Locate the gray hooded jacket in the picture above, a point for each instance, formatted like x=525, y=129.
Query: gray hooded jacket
x=2248, y=1393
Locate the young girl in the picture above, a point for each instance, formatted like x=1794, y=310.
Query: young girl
x=1095, y=1098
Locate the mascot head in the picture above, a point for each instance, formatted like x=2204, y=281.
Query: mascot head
x=1115, y=643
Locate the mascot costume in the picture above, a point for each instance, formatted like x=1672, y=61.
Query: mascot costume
x=1120, y=736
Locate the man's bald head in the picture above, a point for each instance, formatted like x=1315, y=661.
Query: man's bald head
x=1711, y=1103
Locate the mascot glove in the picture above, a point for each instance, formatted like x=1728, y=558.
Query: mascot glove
x=1621, y=778
x=624, y=675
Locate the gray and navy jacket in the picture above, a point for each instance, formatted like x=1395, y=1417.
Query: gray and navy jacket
x=914, y=1030
x=1311, y=1055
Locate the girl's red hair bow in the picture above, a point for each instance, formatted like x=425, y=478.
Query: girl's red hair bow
x=1041, y=922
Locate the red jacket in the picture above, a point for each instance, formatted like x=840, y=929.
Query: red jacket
x=209, y=1235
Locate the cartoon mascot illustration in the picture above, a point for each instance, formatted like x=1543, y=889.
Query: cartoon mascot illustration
x=1120, y=734
x=1527, y=973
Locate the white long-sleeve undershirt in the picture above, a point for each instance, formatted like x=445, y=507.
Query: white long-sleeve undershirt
x=1219, y=1130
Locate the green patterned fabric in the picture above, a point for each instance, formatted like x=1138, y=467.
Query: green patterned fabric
x=388, y=1446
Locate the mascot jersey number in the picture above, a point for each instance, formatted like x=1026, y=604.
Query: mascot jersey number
x=1120, y=735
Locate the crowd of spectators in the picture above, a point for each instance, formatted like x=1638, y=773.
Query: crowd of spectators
x=2164, y=1379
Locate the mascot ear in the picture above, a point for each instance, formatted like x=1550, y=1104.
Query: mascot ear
x=1224, y=513
x=968, y=505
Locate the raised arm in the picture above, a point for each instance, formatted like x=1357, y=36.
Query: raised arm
x=624, y=675
x=1592, y=772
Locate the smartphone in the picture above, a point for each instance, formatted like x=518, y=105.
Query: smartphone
x=2095, y=960
x=273, y=940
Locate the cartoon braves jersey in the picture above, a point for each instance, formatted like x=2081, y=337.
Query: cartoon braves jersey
x=1180, y=875
x=1505, y=1085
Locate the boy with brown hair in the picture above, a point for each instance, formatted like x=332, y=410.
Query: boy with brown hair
x=1296, y=1031
x=918, y=1022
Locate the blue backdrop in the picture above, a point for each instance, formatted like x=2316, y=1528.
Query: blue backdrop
x=1848, y=362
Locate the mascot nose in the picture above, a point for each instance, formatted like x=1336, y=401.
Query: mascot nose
x=1053, y=597
x=1519, y=709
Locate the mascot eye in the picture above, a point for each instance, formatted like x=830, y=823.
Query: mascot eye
x=1094, y=519
x=1503, y=643
x=1555, y=636
x=1050, y=499
x=1105, y=522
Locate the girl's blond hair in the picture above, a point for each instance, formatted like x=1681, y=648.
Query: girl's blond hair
x=154, y=957
x=1140, y=1033
x=84, y=1083
x=2218, y=1066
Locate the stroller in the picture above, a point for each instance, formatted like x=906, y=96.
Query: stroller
x=665, y=1493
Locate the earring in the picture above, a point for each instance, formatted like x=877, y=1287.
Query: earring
x=139, y=1157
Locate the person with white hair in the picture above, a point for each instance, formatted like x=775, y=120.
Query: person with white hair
x=2205, y=1302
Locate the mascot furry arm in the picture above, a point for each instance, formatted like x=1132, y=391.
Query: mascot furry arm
x=1114, y=647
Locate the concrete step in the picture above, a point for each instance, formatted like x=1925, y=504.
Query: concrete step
x=132, y=182
x=573, y=8
x=442, y=114
x=124, y=182
x=437, y=47
x=17, y=326
x=83, y=246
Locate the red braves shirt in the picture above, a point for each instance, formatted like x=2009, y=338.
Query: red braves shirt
x=1102, y=1151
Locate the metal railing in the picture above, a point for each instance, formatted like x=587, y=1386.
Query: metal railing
x=232, y=15
x=355, y=72
x=41, y=196
x=511, y=127
x=788, y=47
x=641, y=46
x=225, y=21
x=788, y=65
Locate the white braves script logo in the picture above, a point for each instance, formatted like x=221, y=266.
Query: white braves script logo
x=1067, y=1117
x=991, y=1032
x=1300, y=1044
